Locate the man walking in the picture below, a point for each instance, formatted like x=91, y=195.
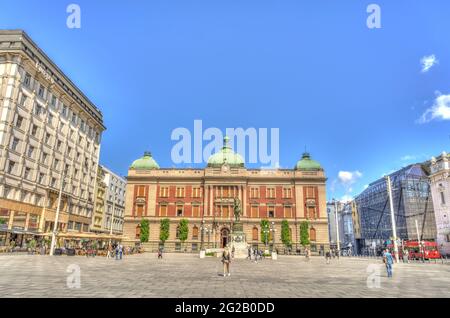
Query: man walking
x=328, y=257
x=389, y=261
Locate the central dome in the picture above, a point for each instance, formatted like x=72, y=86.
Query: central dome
x=226, y=156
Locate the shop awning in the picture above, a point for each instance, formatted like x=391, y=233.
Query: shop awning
x=17, y=231
x=91, y=236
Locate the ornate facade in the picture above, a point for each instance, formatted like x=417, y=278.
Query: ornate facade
x=205, y=198
x=49, y=132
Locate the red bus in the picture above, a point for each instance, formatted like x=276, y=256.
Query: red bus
x=416, y=250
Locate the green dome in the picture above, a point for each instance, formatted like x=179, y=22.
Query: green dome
x=306, y=163
x=226, y=156
x=145, y=163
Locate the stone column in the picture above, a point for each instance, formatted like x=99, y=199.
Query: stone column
x=11, y=219
x=244, y=200
x=27, y=221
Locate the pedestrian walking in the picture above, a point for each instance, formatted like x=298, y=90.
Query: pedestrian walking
x=226, y=260
x=249, y=253
x=388, y=261
x=120, y=251
x=110, y=251
x=328, y=257
x=255, y=254
x=160, y=253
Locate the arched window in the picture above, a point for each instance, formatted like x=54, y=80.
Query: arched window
x=255, y=233
x=195, y=232
x=138, y=231
x=312, y=234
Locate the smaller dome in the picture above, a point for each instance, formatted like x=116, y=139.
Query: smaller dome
x=145, y=163
x=306, y=163
x=226, y=156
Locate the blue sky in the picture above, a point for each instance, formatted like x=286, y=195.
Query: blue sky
x=353, y=95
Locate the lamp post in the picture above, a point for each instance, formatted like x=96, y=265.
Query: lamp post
x=338, y=245
x=58, y=208
x=391, y=205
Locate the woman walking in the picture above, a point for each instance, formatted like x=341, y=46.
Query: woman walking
x=226, y=260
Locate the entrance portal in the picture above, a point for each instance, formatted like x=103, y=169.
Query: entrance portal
x=224, y=237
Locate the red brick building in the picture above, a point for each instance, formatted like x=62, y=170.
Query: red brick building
x=205, y=198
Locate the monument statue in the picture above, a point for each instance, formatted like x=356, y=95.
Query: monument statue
x=237, y=210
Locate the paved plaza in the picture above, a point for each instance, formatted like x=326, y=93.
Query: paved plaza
x=185, y=275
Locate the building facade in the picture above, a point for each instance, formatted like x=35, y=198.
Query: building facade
x=98, y=216
x=411, y=200
x=49, y=132
x=205, y=198
x=440, y=191
x=115, y=189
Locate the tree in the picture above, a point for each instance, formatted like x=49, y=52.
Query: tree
x=164, y=230
x=264, y=231
x=304, y=233
x=145, y=230
x=285, y=233
x=183, y=230
x=2, y=221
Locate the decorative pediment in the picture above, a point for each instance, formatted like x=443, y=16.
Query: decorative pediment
x=140, y=201
x=310, y=202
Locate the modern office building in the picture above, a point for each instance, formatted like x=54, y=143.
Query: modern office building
x=411, y=200
x=49, y=132
x=440, y=191
x=206, y=197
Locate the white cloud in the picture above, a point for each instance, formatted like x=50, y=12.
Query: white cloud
x=428, y=62
x=346, y=198
x=347, y=178
x=408, y=158
x=440, y=110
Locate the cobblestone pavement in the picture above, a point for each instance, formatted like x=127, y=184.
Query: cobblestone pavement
x=183, y=275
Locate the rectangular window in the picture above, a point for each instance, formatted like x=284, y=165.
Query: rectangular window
x=442, y=198
x=53, y=100
x=194, y=247
x=26, y=174
x=44, y=158
x=15, y=144
x=225, y=211
x=287, y=193
x=179, y=210
x=19, y=121
x=64, y=111
x=27, y=80
x=47, y=138
x=41, y=177
x=270, y=193
x=30, y=151
x=180, y=192
x=41, y=90
x=34, y=130
x=271, y=212
x=254, y=193
x=164, y=192
x=254, y=211
x=195, y=211
x=163, y=210
x=196, y=192
x=11, y=166
x=288, y=212
x=141, y=191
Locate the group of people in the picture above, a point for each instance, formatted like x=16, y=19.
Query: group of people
x=255, y=254
x=116, y=251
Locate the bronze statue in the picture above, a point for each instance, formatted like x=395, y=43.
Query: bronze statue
x=237, y=209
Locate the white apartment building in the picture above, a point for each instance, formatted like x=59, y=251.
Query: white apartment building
x=49, y=131
x=114, y=201
x=440, y=192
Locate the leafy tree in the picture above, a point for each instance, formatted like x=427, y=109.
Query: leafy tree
x=264, y=231
x=2, y=221
x=304, y=233
x=183, y=230
x=145, y=230
x=164, y=230
x=285, y=233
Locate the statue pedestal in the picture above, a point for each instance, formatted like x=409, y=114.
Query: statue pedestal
x=238, y=241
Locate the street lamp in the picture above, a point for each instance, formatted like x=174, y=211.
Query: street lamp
x=58, y=208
